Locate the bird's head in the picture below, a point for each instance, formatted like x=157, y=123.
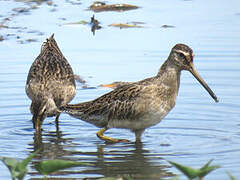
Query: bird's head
x=44, y=108
x=182, y=56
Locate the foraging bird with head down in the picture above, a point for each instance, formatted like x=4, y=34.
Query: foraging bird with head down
x=50, y=83
x=139, y=105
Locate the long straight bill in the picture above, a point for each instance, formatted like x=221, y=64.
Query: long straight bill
x=202, y=82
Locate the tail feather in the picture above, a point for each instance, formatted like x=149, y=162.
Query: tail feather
x=71, y=110
x=51, y=43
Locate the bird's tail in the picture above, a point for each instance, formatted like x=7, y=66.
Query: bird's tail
x=50, y=44
x=74, y=109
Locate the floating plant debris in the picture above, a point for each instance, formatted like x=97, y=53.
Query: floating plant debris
x=78, y=22
x=127, y=25
x=21, y=10
x=101, y=6
x=74, y=2
x=30, y=40
x=167, y=26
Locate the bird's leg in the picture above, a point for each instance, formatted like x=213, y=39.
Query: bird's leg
x=38, y=140
x=38, y=124
x=138, y=135
x=109, y=139
x=56, y=121
x=33, y=121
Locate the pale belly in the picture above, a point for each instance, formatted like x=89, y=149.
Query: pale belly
x=147, y=120
x=146, y=115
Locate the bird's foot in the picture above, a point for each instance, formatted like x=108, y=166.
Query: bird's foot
x=109, y=139
x=113, y=140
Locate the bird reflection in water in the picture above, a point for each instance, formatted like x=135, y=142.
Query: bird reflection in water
x=107, y=160
x=129, y=161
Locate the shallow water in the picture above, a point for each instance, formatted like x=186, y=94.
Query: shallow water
x=195, y=131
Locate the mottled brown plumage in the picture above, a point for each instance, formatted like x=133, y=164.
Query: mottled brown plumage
x=139, y=105
x=50, y=83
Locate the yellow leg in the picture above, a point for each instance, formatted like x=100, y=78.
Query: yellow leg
x=109, y=139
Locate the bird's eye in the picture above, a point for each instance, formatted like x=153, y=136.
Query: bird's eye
x=181, y=55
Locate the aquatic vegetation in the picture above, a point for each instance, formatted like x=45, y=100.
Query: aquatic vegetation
x=174, y=178
x=101, y=6
x=168, y=26
x=18, y=169
x=119, y=178
x=192, y=173
x=50, y=166
x=125, y=25
x=231, y=176
x=77, y=22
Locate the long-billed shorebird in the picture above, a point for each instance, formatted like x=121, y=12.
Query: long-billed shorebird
x=139, y=105
x=50, y=83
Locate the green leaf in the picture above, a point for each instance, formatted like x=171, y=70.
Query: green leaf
x=175, y=178
x=11, y=164
x=231, y=176
x=23, y=164
x=17, y=169
x=49, y=166
x=206, y=169
x=195, y=173
x=114, y=178
x=188, y=171
x=111, y=178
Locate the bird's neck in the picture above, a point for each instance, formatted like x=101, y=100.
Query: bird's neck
x=169, y=75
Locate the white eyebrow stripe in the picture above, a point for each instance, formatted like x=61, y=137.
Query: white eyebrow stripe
x=185, y=53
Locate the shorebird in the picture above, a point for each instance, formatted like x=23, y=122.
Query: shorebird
x=139, y=105
x=50, y=83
